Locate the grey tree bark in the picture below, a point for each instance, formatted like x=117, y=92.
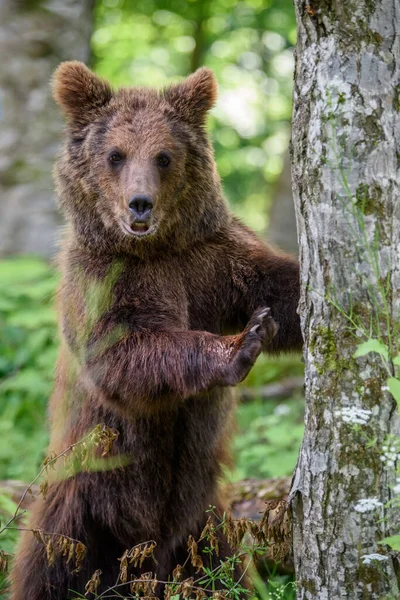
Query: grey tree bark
x=345, y=169
x=34, y=37
x=282, y=219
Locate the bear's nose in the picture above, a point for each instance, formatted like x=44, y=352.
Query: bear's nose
x=141, y=207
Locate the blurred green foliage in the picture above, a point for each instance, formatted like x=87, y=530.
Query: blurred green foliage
x=274, y=368
x=268, y=439
x=27, y=359
x=249, y=47
x=269, y=432
x=28, y=352
x=8, y=537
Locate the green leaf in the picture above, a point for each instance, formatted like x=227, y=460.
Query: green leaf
x=392, y=541
x=372, y=345
x=394, y=388
x=396, y=360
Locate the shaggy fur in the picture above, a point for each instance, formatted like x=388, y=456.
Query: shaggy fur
x=156, y=325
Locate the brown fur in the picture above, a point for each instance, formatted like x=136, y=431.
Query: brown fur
x=152, y=326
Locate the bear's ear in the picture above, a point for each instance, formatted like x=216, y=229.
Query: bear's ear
x=194, y=96
x=79, y=91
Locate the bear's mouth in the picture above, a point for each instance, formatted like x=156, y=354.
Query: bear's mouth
x=139, y=229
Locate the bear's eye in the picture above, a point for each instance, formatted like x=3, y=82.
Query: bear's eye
x=115, y=158
x=163, y=159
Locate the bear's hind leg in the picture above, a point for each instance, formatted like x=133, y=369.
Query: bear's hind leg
x=33, y=578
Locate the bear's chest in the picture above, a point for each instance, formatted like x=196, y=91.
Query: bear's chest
x=153, y=293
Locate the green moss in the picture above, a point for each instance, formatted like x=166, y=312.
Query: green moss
x=355, y=453
x=373, y=577
x=373, y=129
x=308, y=585
x=369, y=200
x=323, y=348
x=377, y=37
x=373, y=389
x=340, y=18
x=370, y=6
x=369, y=35
x=396, y=98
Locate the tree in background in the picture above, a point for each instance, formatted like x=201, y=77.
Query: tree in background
x=346, y=152
x=34, y=38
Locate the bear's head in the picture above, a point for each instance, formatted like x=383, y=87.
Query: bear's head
x=137, y=169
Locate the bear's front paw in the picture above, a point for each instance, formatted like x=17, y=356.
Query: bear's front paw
x=260, y=330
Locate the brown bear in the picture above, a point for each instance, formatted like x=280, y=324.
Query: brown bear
x=162, y=309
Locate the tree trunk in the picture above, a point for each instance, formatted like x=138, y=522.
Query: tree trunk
x=34, y=37
x=346, y=150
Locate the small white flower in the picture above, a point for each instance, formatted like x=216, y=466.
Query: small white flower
x=390, y=454
x=367, y=504
x=368, y=558
x=385, y=388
